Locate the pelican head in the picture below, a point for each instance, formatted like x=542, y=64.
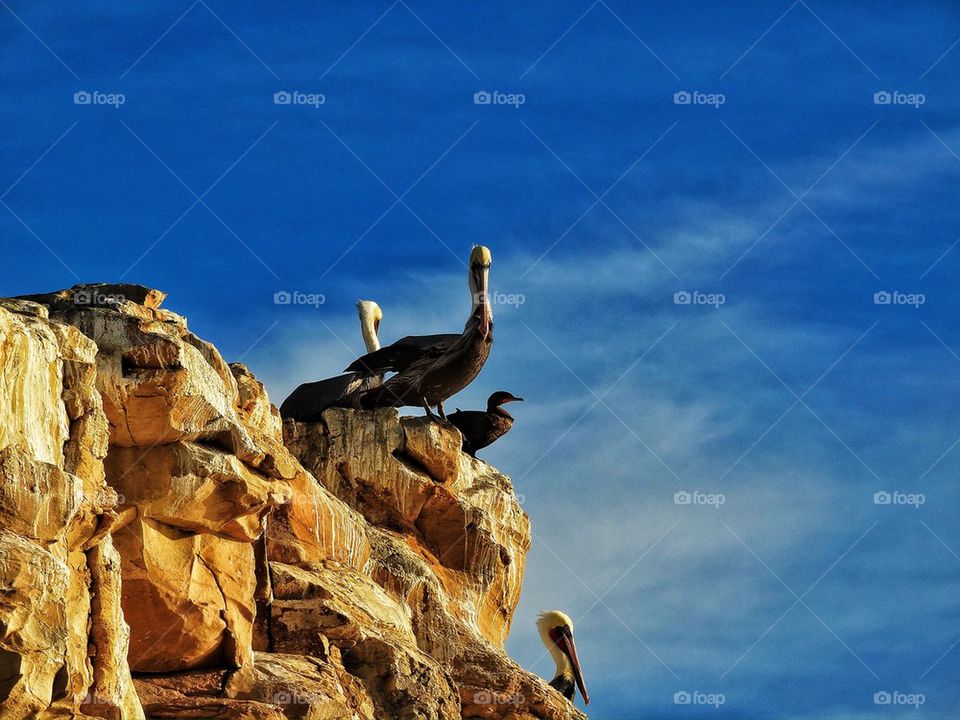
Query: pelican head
x=370, y=317
x=556, y=630
x=479, y=278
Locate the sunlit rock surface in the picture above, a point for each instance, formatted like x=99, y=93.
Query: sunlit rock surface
x=169, y=548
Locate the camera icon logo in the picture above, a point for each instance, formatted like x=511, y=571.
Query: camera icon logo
x=681, y=297
x=682, y=498
x=882, y=498
x=482, y=97
x=282, y=298
x=882, y=298
x=882, y=698
x=82, y=297
x=82, y=97
x=282, y=98
x=483, y=697
x=681, y=698
x=682, y=98
x=882, y=98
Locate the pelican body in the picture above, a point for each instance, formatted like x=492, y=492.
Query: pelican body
x=400, y=355
x=481, y=428
x=433, y=377
x=308, y=401
x=556, y=631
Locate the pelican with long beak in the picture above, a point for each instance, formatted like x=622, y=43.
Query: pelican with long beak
x=556, y=630
x=308, y=401
x=436, y=376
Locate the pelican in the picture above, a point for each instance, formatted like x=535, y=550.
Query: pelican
x=309, y=400
x=435, y=376
x=556, y=630
x=481, y=428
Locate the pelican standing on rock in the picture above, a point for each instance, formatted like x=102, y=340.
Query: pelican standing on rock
x=480, y=428
x=556, y=630
x=309, y=400
x=431, y=379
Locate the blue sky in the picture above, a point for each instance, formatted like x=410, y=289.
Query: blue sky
x=796, y=199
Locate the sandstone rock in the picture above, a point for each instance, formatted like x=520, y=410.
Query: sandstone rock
x=112, y=694
x=194, y=463
x=54, y=505
x=314, y=526
x=195, y=489
x=187, y=597
x=306, y=688
x=33, y=644
x=467, y=521
x=448, y=541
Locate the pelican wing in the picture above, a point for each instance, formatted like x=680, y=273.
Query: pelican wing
x=309, y=400
x=400, y=355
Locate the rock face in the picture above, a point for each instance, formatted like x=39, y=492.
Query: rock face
x=170, y=549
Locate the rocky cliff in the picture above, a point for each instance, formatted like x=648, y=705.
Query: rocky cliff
x=170, y=549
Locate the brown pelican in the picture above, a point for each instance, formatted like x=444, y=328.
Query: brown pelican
x=309, y=400
x=556, y=630
x=435, y=376
x=481, y=428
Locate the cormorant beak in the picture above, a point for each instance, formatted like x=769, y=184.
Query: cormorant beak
x=566, y=645
x=513, y=398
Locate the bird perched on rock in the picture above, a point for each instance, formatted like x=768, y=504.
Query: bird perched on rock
x=556, y=630
x=309, y=400
x=480, y=428
x=442, y=370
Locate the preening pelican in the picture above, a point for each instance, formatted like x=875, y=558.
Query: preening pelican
x=556, y=630
x=431, y=379
x=309, y=400
x=480, y=428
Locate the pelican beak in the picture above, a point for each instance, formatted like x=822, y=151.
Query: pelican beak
x=481, y=277
x=566, y=644
x=376, y=326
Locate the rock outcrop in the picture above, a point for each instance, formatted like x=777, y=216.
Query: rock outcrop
x=170, y=549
